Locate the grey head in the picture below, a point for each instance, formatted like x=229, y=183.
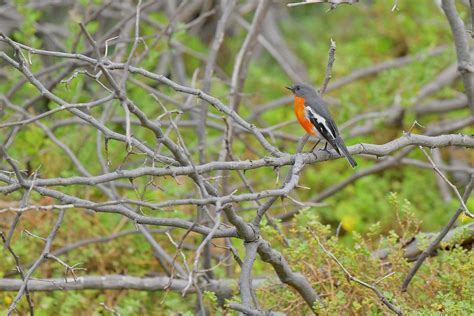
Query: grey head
x=303, y=90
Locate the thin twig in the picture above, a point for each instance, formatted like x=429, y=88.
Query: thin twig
x=331, y=58
x=434, y=244
x=350, y=277
x=452, y=186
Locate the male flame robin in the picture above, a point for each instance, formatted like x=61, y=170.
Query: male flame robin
x=311, y=111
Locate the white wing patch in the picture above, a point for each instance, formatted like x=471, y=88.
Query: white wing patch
x=309, y=112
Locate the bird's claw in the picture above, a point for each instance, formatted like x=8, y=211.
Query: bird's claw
x=325, y=149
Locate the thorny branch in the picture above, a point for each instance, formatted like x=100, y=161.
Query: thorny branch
x=156, y=151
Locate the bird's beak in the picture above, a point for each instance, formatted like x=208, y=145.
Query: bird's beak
x=290, y=88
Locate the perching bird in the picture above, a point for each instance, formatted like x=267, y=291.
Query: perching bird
x=311, y=111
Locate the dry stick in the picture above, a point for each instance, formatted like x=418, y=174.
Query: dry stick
x=444, y=78
x=249, y=187
x=471, y=2
x=40, y=207
x=332, y=53
x=8, y=239
x=239, y=75
x=71, y=64
x=68, y=269
x=453, y=187
x=424, y=165
x=131, y=107
x=395, y=5
x=441, y=106
x=308, y=158
x=121, y=282
x=428, y=251
x=390, y=64
x=121, y=93
x=183, y=256
x=179, y=252
x=245, y=279
x=109, y=77
x=160, y=254
x=389, y=162
x=19, y=270
x=252, y=312
x=111, y=66
x=384, y=164
x=201, y=247
x=245, y=53
x=275, y=258
x=44, y=254
x=226, y=8
x=109, y=133
x=264, y=207
x=465, y=63
x=123, y=84
x=272, y=50
x=202, y=210
x=61, y=251
x=413, y=249
x=33, y=119
x=279, y=48
x=286, y=275
x=332, y=2
x=350, y=277
x=137, y=218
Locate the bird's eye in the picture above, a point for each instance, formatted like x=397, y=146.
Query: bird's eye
x=297, y=88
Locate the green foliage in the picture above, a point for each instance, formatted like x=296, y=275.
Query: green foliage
x=442, y=281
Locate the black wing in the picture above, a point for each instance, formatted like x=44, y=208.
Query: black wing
x=323, y=124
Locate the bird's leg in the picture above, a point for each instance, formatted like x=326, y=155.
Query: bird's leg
x=317, y=143
x=325, y=147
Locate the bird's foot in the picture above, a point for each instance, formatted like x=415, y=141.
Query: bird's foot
x=317, y=143
x=326, y=148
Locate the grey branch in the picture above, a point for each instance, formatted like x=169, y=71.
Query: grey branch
x=331, y=59
x=332, y=2
x=464, y=235
x=465, y=64
x=44, y=254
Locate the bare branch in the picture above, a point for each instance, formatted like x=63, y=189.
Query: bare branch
x=332, y=53
x=465, y=64
x=43, y=255
x=252, y=312
x=453, y=187
x=332, y=2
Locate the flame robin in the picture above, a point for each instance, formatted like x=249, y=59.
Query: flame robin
x=311, y=111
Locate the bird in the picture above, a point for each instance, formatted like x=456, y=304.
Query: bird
x=314, y=117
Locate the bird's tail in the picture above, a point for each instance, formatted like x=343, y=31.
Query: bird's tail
x=340, y=144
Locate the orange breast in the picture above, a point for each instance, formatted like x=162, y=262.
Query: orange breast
x=299, y=111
